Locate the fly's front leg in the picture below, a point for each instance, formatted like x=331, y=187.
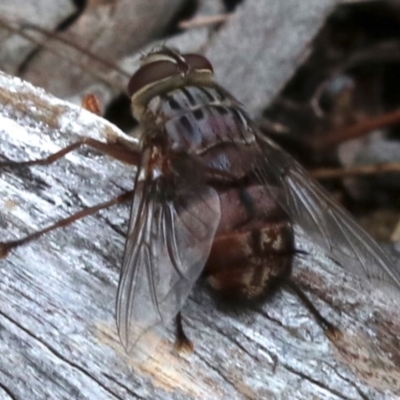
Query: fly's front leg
x=120, y=147
x=115, y=150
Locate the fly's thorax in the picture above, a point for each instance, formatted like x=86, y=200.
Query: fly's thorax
x=181, y=109
x=195, y=119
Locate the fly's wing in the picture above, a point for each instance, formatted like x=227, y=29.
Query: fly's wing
x=167, y=246
x=322, y=220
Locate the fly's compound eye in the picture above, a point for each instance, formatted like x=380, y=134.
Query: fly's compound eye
x=151, y=73
x=166, y=63
x=196, y=62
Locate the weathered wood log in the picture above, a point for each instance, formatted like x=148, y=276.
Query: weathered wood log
x=58, y=338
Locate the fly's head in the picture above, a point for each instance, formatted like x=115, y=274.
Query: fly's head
x=163, y=70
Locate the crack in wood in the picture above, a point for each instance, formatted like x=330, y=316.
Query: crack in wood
x=315, y=382
x=8, y=392
x=235, y=385
x=57, y=354
x=351, y=383
x=112, y=379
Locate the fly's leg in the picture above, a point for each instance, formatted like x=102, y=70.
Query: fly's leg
x=182, y=342
x=6, y=247
x=115, y=150
x=329, y=329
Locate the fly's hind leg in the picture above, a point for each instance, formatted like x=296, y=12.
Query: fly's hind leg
x=329, y=329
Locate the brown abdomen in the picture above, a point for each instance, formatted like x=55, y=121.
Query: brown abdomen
x=251, y=257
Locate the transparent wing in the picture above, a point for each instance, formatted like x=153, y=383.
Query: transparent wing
x=326, y=223
x=167, y=246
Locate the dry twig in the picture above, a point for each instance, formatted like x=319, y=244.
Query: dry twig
x=342, y=134
x=204, y=20
x=356, y=170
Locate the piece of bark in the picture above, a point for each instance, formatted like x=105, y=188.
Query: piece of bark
x=260, y=47
x=57, y=332
x=48, y=14
x=109, y=29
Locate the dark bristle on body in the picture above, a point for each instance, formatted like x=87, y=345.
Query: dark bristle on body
x=198, y=114
x=185, y=123
x=191, y=99
x=173, y=104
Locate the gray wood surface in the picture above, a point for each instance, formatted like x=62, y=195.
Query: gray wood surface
x=265, y=41
x=58, y=338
